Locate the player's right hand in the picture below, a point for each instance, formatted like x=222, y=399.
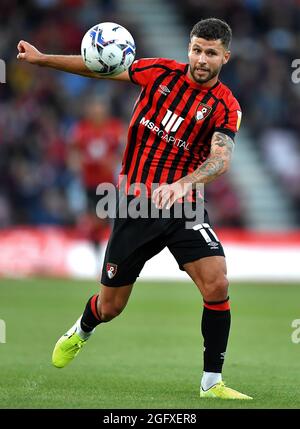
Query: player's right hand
x=28, y=52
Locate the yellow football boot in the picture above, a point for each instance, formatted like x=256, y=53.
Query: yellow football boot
x=220, y=391
x=66, y=348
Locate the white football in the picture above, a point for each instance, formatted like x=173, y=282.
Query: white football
x=108, y=49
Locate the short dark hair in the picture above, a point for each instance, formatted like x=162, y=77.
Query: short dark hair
x=213, y=29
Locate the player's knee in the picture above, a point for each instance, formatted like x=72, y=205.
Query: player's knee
x=216, y=289
x=109, y=311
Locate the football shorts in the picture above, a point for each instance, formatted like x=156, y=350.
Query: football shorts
x=133, y=241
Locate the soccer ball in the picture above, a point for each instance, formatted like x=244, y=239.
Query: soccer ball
x=108, y=49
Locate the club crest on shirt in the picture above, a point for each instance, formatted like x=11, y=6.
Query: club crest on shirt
x=202, y=111
x=111, y=270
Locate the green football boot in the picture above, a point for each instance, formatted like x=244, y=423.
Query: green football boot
x=221, y=391
x=66, y=348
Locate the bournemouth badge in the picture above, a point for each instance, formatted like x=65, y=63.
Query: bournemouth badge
x=202, y=111
x=111, y=270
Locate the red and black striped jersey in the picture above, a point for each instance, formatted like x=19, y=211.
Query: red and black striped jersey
x=173, y=121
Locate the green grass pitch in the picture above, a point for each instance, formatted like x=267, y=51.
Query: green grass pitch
x=150, y=356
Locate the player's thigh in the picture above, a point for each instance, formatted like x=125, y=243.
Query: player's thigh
x=206, y=270
x=132, y=243
x=210, y=276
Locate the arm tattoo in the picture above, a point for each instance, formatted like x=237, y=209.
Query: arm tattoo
x=221, y=140
x=209, y=170
x=217, y=162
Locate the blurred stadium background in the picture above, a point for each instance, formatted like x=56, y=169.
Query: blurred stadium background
x=57, y=144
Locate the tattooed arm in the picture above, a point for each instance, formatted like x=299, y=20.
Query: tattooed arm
x=215, y=165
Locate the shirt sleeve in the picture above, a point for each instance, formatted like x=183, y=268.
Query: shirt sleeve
x=228, y=117
x=142, y=71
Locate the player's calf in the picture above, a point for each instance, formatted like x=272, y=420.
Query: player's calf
x=70, y=344
x=109, y=311
x=112, y=303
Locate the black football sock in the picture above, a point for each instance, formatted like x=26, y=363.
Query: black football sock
x=215, y=327
x=90, y=318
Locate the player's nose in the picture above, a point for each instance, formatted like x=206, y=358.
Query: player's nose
x=202, y=59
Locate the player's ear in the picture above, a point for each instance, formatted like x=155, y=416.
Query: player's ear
x=189, y=47
x=226, y=57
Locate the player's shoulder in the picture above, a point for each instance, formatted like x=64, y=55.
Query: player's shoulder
x=164, y=63
x=146, y=71
x=173, y=64
x=225, y=94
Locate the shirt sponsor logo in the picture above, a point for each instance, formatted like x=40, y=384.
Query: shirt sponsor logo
x=171, y=121
x=164, y=135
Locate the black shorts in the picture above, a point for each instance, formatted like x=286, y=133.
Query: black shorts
x=134, y=241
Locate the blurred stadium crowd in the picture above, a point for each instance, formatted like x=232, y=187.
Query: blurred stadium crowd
x=62, y=134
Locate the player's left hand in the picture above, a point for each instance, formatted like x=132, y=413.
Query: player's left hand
x=166, y=195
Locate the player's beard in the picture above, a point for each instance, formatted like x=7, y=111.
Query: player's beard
x=210, y=74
